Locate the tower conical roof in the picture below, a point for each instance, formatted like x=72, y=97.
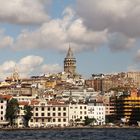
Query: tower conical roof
x=70, y=53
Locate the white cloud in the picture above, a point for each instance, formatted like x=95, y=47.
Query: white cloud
x=99, y=24
x=22, y=11
x=5, y=41
x=114, y=15
x=84, y=39
x=31, y=61
x=121, y=42
x=119, y=17
x=51, y=68
x=58, y=33
x=28, y=66
x=6, y=68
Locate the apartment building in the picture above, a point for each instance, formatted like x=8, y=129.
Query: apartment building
x=109, y=103
x=49, y=114
x=3, y=105
x=77, y=111
x=97, y=111
x=78, y=94
x=21, y=113
x=128, y=107
x=134, y=78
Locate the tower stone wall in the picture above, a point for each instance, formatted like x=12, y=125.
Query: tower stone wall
x=70, y=63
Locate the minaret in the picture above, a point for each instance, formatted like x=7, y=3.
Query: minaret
x=15, y=75
x=70, y=63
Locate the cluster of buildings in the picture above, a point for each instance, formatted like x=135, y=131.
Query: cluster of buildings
x=106, y=82
x=66, y=99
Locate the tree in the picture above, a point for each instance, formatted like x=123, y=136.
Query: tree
x=12, y=111
x=111, y=118
x=88, y=120
x=28, y=114
x=71, y=122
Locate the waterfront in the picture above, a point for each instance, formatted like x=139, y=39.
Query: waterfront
x=72, y=134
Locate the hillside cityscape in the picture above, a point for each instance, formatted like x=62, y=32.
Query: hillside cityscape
x=66, y=99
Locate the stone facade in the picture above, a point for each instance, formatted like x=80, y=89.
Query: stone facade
x=70, y=63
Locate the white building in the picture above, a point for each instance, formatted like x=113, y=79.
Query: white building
x=97, y=111
x=49, y=114
x=79, y=94
x=24, y=98
x=77, y=113
x=21, y=113
x=3, y=105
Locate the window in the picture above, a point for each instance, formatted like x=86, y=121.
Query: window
x=53, y=108
x=53, y=114
x=36, y=114
x=59, y=108
x=59, y=120
x=64, y=114
x=36, y=109
x=42, y=120
x=49, y=120
x=42, y=114
x=31, y=120
x=64, y=120
x=53, y=120
x=48, y=114
x=42, y=108
x=85, y=107
x=85, y=112
x=59, y=114
x=1, y=101
x=80, y=112
x=1, y=112
x=36, y=120
x=1, y=118
x=80, y=107
x=80, y=117
x=1, y=107
x=64, y=108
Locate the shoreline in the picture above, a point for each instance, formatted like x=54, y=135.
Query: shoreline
x=70, y=128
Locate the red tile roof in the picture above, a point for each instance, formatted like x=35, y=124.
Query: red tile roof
x=34, y=102
x=55, y=102
x=6, y=97
x=23, y=103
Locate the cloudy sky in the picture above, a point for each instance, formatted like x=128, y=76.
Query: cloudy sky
x=35, y=35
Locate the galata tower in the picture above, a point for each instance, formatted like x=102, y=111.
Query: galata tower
x=70, y=63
